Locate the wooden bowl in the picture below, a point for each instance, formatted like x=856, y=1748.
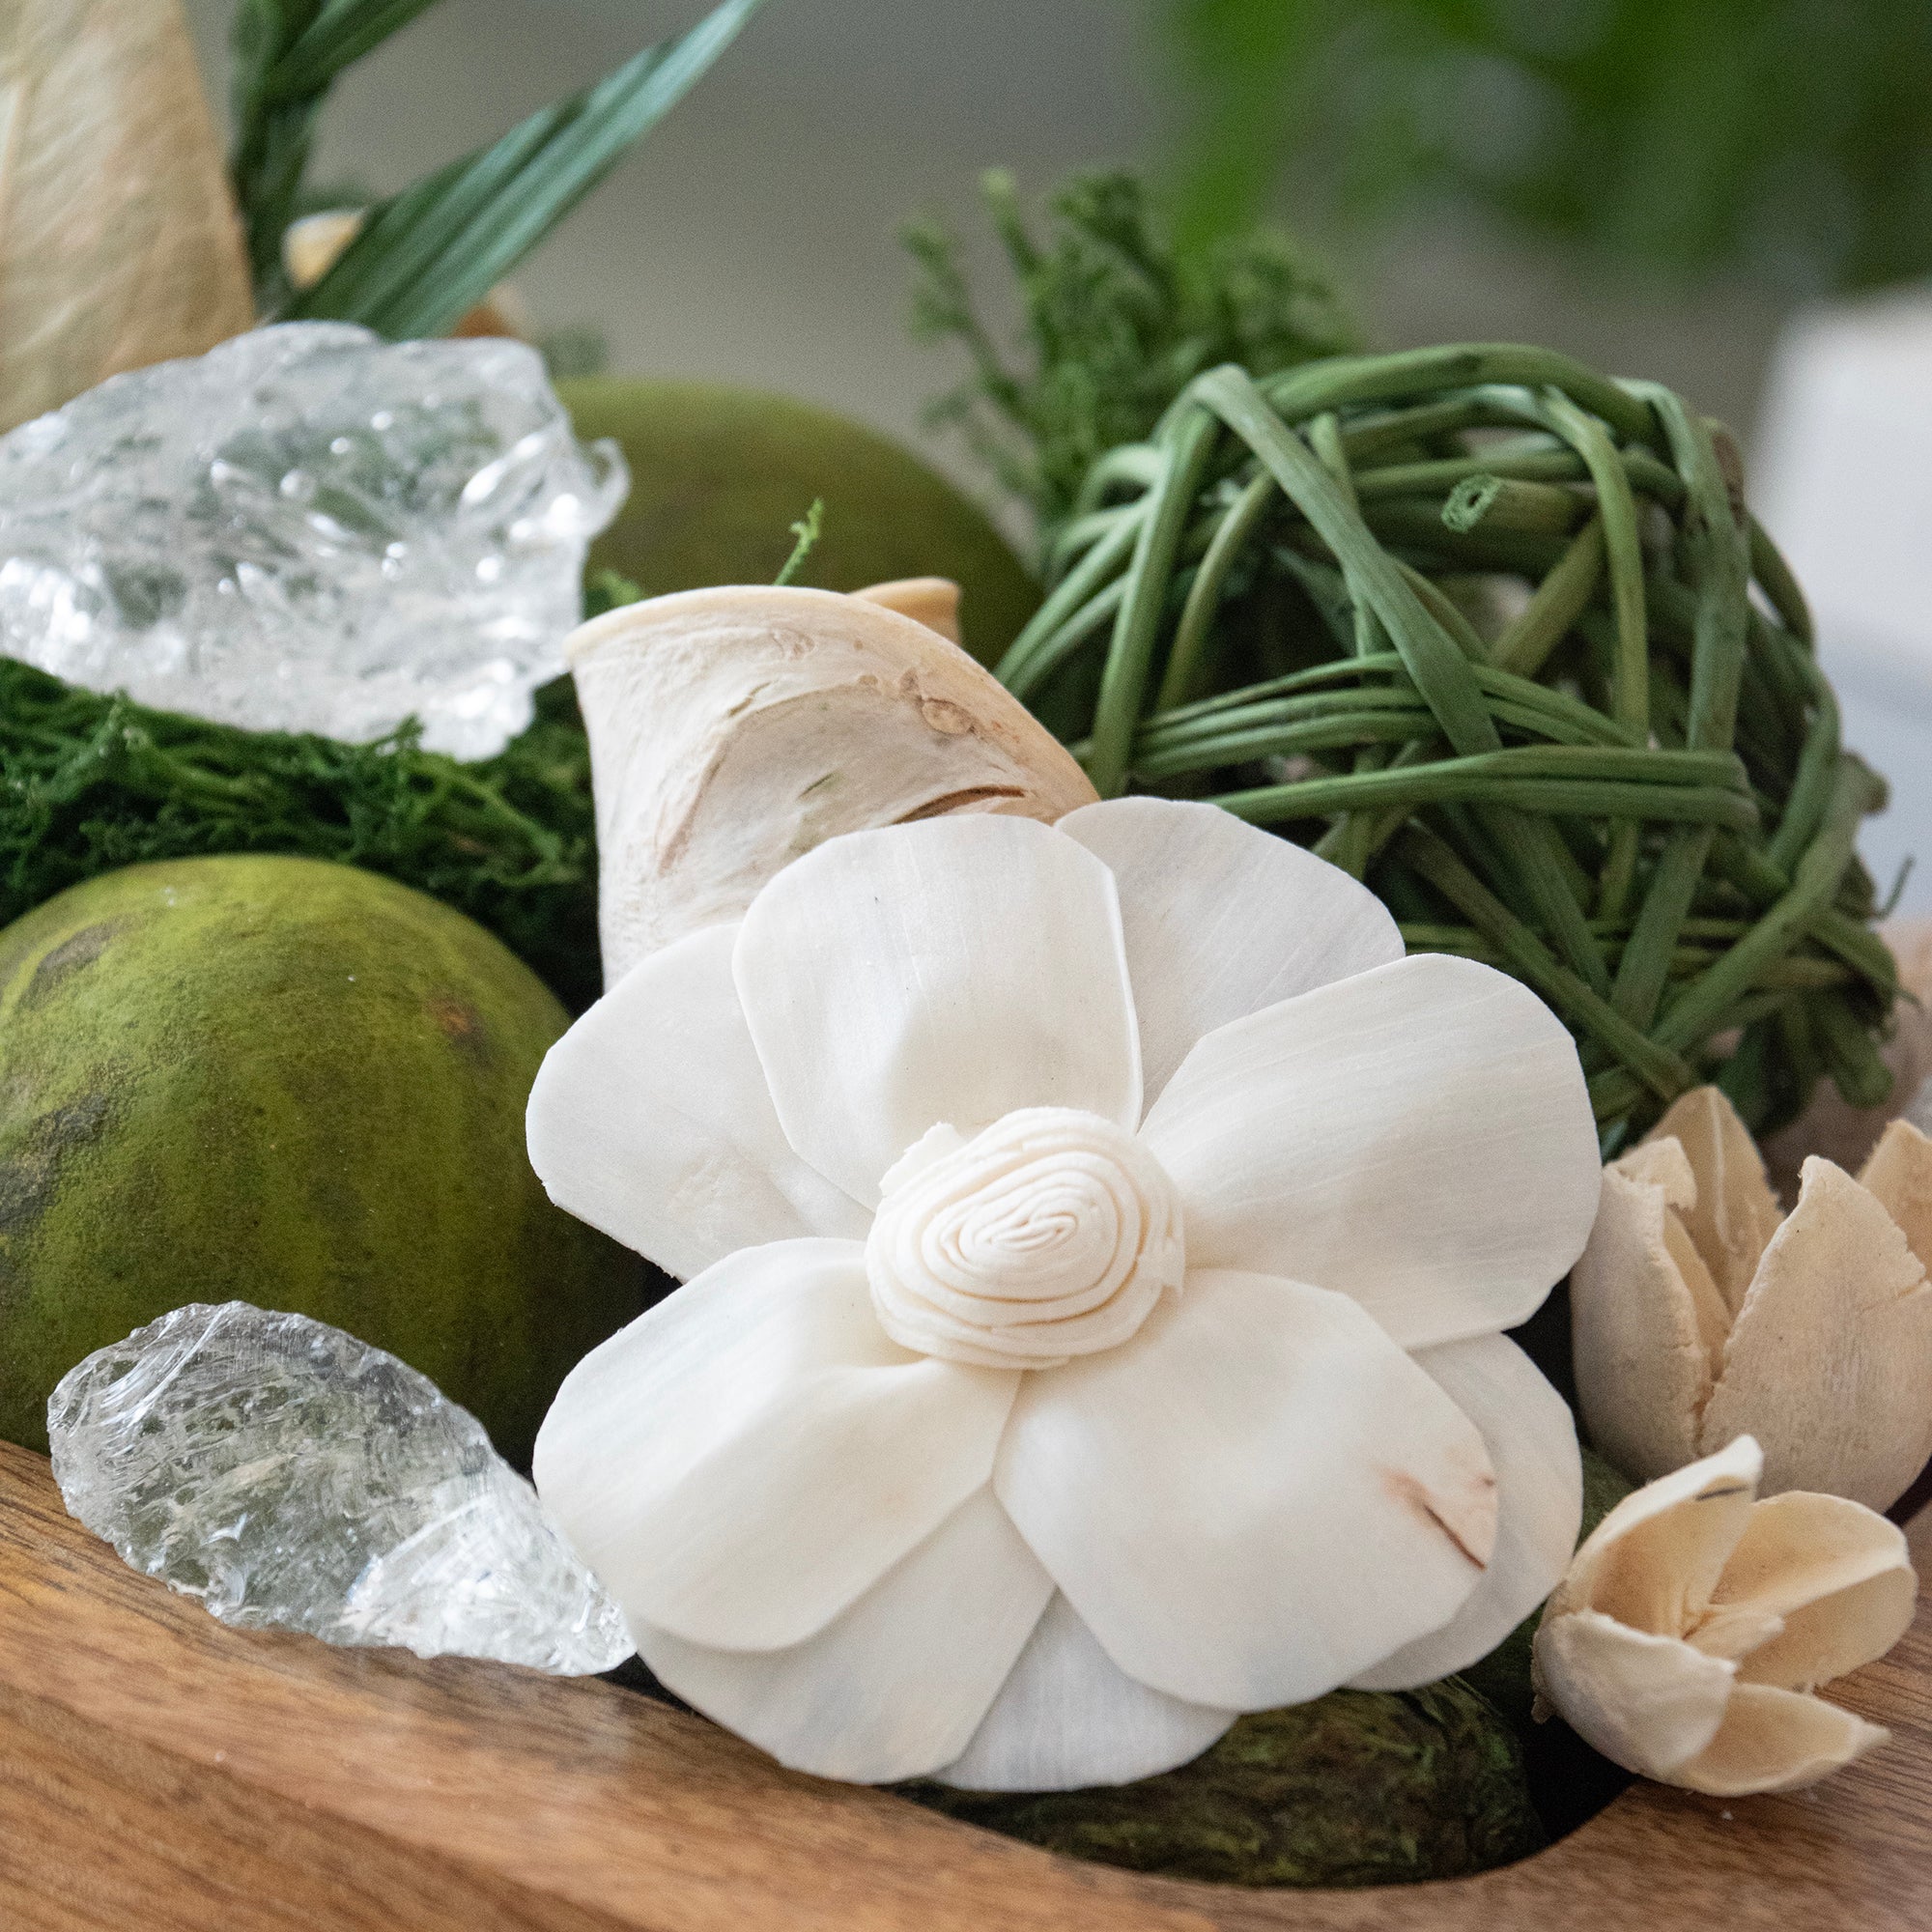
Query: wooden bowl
x=160, y=1771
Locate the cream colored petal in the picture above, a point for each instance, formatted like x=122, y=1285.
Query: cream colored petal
x=1736, y=1213
x=895, y=1686
x=731, y=730
x=1713, y=1318
x=1223, y=918
x=650, y=1118
x=1648, y=1703
x=1418, y=1137
x=1898, y=1176
x=1255, y=1499
x=1775, y=1739
x=751, y=1455
x=1834, y=1577
x=953, y=971
x=1830, y=1361
x=1643, y=1371
x=1067, y=1717
x=1654, y=1562
x=1662, y=1163
x=1531, y=1438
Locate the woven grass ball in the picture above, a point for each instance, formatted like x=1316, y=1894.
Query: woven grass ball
x=1500, y=635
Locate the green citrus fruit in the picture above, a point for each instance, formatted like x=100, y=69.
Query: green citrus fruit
x=719, y=475
x=295, y=1084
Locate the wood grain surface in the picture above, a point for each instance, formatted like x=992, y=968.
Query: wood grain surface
x=160, y=1771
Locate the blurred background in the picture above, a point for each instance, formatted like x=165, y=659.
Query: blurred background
x=1733, y=197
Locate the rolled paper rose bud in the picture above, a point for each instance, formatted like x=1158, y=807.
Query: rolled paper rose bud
x=1052, y=1233
x=1696, y=1622
x=1700, y=1314
x=732, y=730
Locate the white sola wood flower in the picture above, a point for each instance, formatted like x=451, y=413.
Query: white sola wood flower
x=1096, y=1242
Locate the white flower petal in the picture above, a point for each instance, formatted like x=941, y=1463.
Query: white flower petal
x=1531, y=1438
x=650, y=1118
x=1418, y=1137
x=1773, y=1740
x=1256, y=1499
x=1831, y=1583
x=1223, y=918
x=951, y=971
x=895, y=1686
x=1654, y=1562
x=747, y=1457
x=1067, y=1717
x=1649, y=1703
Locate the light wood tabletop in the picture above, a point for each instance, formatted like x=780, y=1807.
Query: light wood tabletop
x=161, y=1772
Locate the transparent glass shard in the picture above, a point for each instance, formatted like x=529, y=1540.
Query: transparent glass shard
x=309, y=530
x=293, y=1478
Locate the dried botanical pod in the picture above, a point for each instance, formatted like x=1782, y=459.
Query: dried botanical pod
x=732, y=730
x=1699, y=1314
x=119, y=241
x=1696, y=1622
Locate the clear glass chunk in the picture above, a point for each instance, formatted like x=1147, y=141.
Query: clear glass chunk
x=309, y=530
x=293, y=1478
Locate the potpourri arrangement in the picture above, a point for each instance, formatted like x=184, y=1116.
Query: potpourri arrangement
x=1146, y=1223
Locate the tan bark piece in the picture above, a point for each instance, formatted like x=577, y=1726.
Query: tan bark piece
x=1830, y=1361
x=1736, y=1213
x=119, y=240
x=1643, y=1367
x=733, y=729
x=1900, y=1176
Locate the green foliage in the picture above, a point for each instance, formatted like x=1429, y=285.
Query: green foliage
x=287, y=56
x=1115, y=323
x=427, y=255
x=806, y=531
x=1551, y=694
x=89, y=783
x=1778, y=138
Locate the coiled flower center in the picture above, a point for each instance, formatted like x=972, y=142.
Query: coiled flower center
x=1050, y=1234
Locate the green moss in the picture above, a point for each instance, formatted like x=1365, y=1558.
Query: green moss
x=89, y=784
x=719, y=475
x=294, y=1083
x=1357, y=1788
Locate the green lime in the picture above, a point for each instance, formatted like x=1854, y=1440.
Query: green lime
x=295, y=1084
x=719, y=475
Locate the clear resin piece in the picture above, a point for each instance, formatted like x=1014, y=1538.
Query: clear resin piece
x=309, y=530
x=294, y=1478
